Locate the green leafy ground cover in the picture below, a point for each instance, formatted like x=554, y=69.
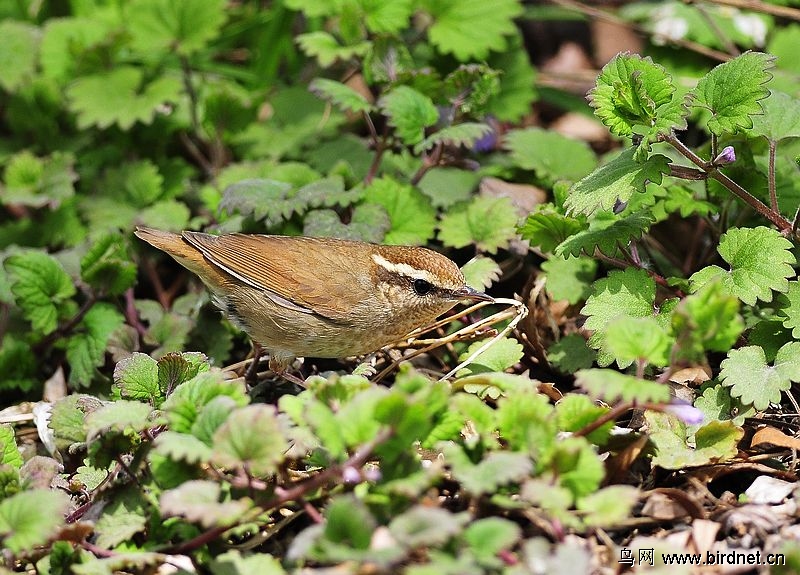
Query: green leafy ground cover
x=647, y=394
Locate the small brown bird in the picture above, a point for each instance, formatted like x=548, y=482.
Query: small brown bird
x=318, y=297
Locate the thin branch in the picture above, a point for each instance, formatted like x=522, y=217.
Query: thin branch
x=766, y=8
x=773, y=198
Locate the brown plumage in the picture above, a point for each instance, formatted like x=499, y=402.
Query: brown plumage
x=318, y=297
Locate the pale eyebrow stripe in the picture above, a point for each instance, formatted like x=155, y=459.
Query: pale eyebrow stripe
x=404, y=270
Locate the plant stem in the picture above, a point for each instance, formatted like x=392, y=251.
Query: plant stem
x=782, y=223
x=773, y=197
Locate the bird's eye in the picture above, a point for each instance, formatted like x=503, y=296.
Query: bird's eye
x=422, y=287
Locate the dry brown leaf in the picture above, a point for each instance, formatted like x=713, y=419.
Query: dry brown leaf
x=770, y=436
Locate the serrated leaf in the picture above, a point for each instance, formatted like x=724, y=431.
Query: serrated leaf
x=136, y=377
x=412, y=217
x=233, y=562
x=733, y=89
x=717, y=404
x=28, y=519
x=18, y=53
x=68, y=416
x=551, y=155
x=63, y=39
x=471, y=29
x=18, y=363
x=340, y=95
x=107, y=266
x=525, y=420
x=368, y=223
x=423, y=526
x=495, y=469
x=40, y=287
x=608, y=507
x=184, y=26
x=327, y=50
x=250, y=438
x=465, y=134
x=9, y=453
x=569, y=279
x=628, y=293
x=121, y=519
x=184, y=406
x=349, y=522
x=615, y=182
x=38, y=182
x=707, y=320
x=488, y=223
x=409, y=112
x=612, y=386
x=546, y=228
x=606, y=233
x=119, y=416
x=517, y=83
x=760, y=261
x=789, y=308
x=86, y=348
x=780, y=120
x=181, y=447
x=570, y=354
x=638, y=338
x=635, y=95
x=716, y=441
x=489, y=536
x=120, y=97
x=199, y=501
x=501, y=355
x=751, y=380
x=574, y=412
x=481, y=272
x=448, y=186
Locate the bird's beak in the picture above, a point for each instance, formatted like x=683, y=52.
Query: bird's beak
x=467, y=292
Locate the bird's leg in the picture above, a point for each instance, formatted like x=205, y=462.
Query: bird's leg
x=251, y=375
x=280, y=366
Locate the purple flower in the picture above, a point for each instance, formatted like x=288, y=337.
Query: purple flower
x=351, y=475
x=684, y=411
x=726, y=156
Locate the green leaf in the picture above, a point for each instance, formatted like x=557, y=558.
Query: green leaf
x=386, y=17
x=120, y=97
x=234, y=563
x=638, y=338
x=183, y=26
x=250, y=438
x=448, y=186
x=489, y=536
x=340, y=95
x=119, y=416
x=707, y=320
x=465, y=134
x=9, y=453
x=525, y=420
x=368, y=223
x=136, y=377
x=68, y=416
x=517, y=83
x=409, y=112
x=551, y=155
x=717, y=404
x=714, y=442
x=732, y=91
x=760, y=261
x=628, y=293
x=412, y=217
x=65, y=40
x=495, y=469
x=424, y=526
x=489, y=223
x=39, y=182
x=547, y=228
x=86, y=348
x=186, y=404
x=780, y=120
x=18, y=364
x=28, y=519
x=18, y=53
x=606, y=233
x=327, y=50
x=577, y=466
x=481, y=272
x=501, y=355
x=615, y=182
x=349, y=522
x=570, y=354
x=751, y=380
x=181, y=447
x=107, y=267
x=569, y=279
x=198, y=501
x=633, y=95
x=789, y=308
x=612, y=386
x=469, y=29
x=41, y=287
x=608, y=507
x=574, y=412
x=122, y=518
